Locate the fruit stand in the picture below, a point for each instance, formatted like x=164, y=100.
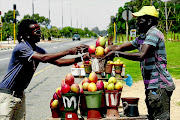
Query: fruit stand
x=98, y=96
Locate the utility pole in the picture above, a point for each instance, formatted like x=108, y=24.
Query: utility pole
x=62, y=14
x=166, y=16
x=49, y=12
x=1, y=25
x=127, y=18
x=33, y=8
x=14, y=16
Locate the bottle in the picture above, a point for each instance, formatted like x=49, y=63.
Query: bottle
x=123, y=71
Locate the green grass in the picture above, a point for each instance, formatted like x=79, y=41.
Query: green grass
x=173, y=65
x=173, y=58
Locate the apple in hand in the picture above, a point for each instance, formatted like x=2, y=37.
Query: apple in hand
x=91, y=49
x=86, y=79
x=69, y=79
x=93, y=77
x=85, y=86
x=75, y=88
x=66, y=88
x=58, y=92
x=92, y=87
x=118, y=86
x=100, y=85
x=99, y=51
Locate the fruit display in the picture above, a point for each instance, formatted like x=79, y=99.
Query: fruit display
x=78, y=70
x=113, y=84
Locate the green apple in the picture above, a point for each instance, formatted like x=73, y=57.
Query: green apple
x=110, y=86
x=112, y=80
x=118, y=86
x=105, y=85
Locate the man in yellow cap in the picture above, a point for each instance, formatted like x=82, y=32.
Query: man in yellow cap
x=158, y=82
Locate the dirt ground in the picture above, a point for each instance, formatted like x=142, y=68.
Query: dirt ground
x=137, y=90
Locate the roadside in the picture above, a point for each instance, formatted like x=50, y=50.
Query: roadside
x=137, y=90
x=5, y=45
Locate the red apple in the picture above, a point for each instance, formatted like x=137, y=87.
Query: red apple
x=69, y=79
x=91, y=49
x=92, y=87
x=75, y=88
x=55, y=96
x=100, y=85
x=58, y=92
x=73, y=66
x=85, y=86
x=54, y=104
x=77, y=66
x=86, y=79
x=86, y=62
x=63, y=82
x=102, y=41
x=97, y=42
x=81, y=90
x=66, y=88
x=106, y=50
x=93, y=77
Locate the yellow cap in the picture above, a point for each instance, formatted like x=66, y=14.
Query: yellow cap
x=147, y=10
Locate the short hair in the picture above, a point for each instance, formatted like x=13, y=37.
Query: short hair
x=23, y=28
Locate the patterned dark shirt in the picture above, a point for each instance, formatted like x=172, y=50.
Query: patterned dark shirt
x=153, y=68
x=21, y=68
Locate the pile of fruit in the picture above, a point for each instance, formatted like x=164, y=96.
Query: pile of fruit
x=92, y=83
x=100, y=48
x=67, y=86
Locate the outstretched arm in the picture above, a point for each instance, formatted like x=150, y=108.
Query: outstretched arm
x=123, y=47
x=136, y=56
x=54, y=56
x=66, y=62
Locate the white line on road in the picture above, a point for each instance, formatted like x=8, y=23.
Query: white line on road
x=4, y=59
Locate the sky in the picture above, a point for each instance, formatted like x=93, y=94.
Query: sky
x=82, y=13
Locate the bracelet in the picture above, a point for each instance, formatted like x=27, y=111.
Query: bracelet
x=117, y=54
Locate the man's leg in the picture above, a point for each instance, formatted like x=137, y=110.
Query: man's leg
x=158, y=104
x=20, y=110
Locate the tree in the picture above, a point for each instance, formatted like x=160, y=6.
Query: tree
x=8, y=17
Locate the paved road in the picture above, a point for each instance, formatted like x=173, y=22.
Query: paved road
x=47, y=78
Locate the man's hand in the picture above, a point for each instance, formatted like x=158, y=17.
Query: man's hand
x=109, y=56
x=74, y=50
x=86, y=57
x=84, y=48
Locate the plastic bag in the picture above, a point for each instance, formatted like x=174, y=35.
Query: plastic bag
x=128, y=80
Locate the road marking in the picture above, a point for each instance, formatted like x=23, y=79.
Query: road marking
x=4, y=59
x=42, y=70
